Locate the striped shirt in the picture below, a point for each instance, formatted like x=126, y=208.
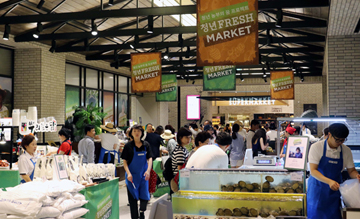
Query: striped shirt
x=178, y=157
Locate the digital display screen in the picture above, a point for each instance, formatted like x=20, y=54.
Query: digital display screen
x=263, y=161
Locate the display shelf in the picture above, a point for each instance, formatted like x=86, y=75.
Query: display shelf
x=227, y=204
x=235, y=180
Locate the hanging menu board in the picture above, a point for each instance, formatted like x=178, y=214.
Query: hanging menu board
x=146, y=72
x=282, y=85
x=227, y=32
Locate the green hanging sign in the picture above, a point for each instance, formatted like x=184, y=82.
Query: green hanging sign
x=168, y=89
x=163, y=187
x=219, y=78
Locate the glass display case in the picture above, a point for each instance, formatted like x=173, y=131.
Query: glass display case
x=235, y=180
x=196, y=205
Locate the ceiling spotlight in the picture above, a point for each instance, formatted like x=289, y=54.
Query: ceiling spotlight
x=182, y=76
x=166, y=56
x=111, y=2
x=6, y=32
x=265, y=80
x=39, y=28
x=187, y=79
x=41, y=3
x=242, y=79
x=150, y=24
x=193, y=82
x=285, y=58
x=132, y=47
x=187, y=55
x=36, y=35
x=53, y=46
x=269, y=37
x=94, y=31
x=302, y=78
x=264, y=72
x=279, y=17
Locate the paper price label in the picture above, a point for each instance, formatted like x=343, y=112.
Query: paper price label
x=185, y=173
x=296, y=176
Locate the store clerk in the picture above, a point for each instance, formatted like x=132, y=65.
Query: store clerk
x=27, y=160
x=328, y=158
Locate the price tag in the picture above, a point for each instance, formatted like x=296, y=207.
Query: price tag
x=296, y=176
x=185, y=173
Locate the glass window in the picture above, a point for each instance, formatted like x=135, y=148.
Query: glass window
x=92, y=97
x=72, y=98
x=5, y=97
x=122, y=109
x=108, y=81
x=123, y=84
x=6, y=61
x=91, y=78
x=109, y=107
x=72, y=74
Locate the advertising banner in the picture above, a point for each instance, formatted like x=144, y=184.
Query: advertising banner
x=219, y=78
x=227, y=32
x=282, y=85
x=146, y=72
x=169, y=89
x=163, y=187
x=103, y=200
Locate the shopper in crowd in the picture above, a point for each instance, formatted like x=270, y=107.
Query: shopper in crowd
x=169, y=127
x=149, y=128
x=155, y=141
x=170, y=141
x=241, y=131
x=259, y=142
x=4, y=112
x=304, y=130
x=210, y=130
x=27, y=160
x=325, y=134
x=228, y=129
x=194, y=129
x=179, y=154
x=216, y=129
x=207, y=122
x=272, y=133
x=289, y=131
x=254, y=125
x=137, y=159
x=201, y=139
x=211, y=156
x=109, y=142
x=86, y=145
x=297, y=130
x=65, y=147
x=328, y=158
x=237, y=148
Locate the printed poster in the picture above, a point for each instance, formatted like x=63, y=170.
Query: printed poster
x=219, y=78
x=72, y=98
x=122, y=107
x=92, y=96
x=5, y=97
x=296, y=152
x=146, y=72
x=227, y=32
x=109, y=107
x=282, y=85
x=169, y=89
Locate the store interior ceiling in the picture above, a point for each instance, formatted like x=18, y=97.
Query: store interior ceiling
x=292, y=33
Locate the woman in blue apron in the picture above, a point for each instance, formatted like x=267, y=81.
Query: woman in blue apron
x=137, y=164
x=27, y=160
x=323, y=196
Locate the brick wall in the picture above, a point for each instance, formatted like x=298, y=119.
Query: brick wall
x=344, y=80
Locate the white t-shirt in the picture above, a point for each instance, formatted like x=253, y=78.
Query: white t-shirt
x=317, y=150
x=249, y=137
x=108, y=140
x=243, y=133
x=271, y=135
x=25, y=164
x=306, y=132
x=208, y=157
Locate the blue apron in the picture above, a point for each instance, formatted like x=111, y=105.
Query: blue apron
x=137, y=168
x=102, y=154
x=32, y=174
x=322, y=202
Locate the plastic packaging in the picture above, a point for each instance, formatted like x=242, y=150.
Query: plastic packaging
x=350, y=191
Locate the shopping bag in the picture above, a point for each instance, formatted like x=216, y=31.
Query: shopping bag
x=350, y=191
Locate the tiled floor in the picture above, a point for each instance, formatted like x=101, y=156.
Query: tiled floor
x=123, y=201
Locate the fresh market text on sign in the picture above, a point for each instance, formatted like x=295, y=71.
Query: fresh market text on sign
x=218, y=71
x=251, y=101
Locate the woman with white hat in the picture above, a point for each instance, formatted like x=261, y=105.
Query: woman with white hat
x=109, y=143
x=169, y=140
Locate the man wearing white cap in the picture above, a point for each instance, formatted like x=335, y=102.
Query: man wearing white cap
x=169, y=140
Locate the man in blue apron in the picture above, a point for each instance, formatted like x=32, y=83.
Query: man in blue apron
x=328, y=158
x=137, y=164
